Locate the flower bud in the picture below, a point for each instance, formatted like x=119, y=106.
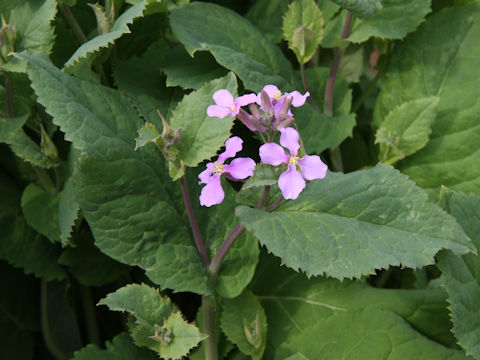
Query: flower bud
x=8, y=37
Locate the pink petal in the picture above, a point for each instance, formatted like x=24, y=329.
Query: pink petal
x=246, y=100
x=205, y=175
x=232, y=146
x=212, y=193
x=290, y=139
x=271, y=91
x=218, y=111
x=312, y=167
x=298, y=99
x=223, y=98
x=291, y=183
x=240, y=168
x=273, y=154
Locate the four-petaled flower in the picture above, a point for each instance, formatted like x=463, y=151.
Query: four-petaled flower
x=240, y=168
x=291, y=182
x=225, y=105
x=277, y=98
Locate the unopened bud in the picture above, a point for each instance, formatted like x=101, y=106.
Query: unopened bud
x=287, y=122
x=244, y=117
x=282, y=114
x=8, y=37
x=254, y=110
x=266, y=104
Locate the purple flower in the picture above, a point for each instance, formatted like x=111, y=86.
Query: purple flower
x=240, y=168
x=225, y=105
x=291, y=181
x=277, y=98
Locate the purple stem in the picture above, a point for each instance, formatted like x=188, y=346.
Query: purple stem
x=334, y=69
x=193, y=224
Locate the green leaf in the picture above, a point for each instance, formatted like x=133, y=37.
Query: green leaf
x=201, y=135
x=267, y=16
x=20, y=245
x=41, y=211
x=395, y=20
x=67, y=211
x=234, y=42
x=292, y=303
x=245, y=324
x=151, y=228
x=32, y=19
x=364, y=9
x=406, y=129
x=263, y=175
x=461, y=274
x=157, y=325
x=86, y=52
x=120, y=348
x=365, y=334
x=88, y=264
x=303, y=28
x=148, y=133
x=190, y=72
x=319, y=131
x=19, y=315
x=446, y=69
x=350, y=225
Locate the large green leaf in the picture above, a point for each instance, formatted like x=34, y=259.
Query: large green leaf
x=294, y=303
x=157, y=325
x=406, y=129
x=201, y=135
x=447, y=68
x=461, y=274
x=119, y=28
x=32, y=19
x=234, y=42
x=349, y=225
x=244, y=323
x=395, y=20
x=365, y=334
x=121, y=348
x=303, y=28
x=125, y=195
x=361, y=8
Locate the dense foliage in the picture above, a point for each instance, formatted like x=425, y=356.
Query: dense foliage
x=270, y=179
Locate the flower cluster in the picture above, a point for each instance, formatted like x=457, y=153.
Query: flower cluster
x=269, y=111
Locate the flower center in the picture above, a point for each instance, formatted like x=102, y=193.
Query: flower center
x=277, y=96
x=293, y=160
x=218, y=168
x=232, y=107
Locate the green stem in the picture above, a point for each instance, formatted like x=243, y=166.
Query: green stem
x=73, y=23
x=208, y=321
x=47, y=335
x=90, y=318
x=45, y=180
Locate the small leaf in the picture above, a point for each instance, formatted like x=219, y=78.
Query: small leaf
x=264, y=174
x=148, y=133
x=406, y=129
x=104, y=24
x=245, y=324
x=303, y=28
x=364, y=9
x=201, y=135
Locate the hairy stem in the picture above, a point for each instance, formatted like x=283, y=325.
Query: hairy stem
x=193, y=223
x=72, y=22
x=306, y=88
x=208, y=321
x=9, y=96
x=335, y=154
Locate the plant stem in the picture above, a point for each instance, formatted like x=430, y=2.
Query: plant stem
x=89, y=313
x=9, y=96
x=335, y=154
x=72, y=22
x=47, y=335
x=306, y=88
x=193, y=224
x=275, y=205
x=208, y=320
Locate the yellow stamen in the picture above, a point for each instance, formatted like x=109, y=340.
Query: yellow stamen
x=232, y=107
x=277, y=96
x=218, y=168
x=293, y=160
